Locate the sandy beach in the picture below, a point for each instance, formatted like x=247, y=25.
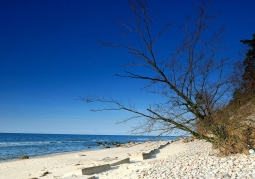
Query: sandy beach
x=175, y=160
x=57, y=165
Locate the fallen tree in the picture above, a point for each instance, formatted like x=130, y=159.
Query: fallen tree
x=194, y=80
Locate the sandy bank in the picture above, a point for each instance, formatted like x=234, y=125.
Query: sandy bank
x=57, y=165
x=176, y=160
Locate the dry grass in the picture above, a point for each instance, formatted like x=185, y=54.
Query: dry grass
x=233, y=127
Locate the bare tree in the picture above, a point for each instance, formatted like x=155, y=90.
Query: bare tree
x=193, y=80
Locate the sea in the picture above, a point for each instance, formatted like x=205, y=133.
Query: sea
x=15, y=145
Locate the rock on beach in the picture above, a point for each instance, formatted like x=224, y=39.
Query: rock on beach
x=177, y=160
x=198, y=160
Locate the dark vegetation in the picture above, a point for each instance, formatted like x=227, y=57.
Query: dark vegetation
x=203, y=97
x=240, y=111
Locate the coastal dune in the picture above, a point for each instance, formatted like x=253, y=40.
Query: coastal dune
x=176, y=159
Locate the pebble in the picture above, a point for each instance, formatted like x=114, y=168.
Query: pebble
x=199, y=161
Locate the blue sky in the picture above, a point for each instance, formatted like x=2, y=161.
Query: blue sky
x=49, y=57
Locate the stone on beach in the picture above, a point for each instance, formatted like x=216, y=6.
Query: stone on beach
x=198, y=160
x=89, y=170
x=195, y=159
x=122, y=161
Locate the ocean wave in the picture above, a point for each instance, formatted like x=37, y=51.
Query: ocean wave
x=12, y=146
x=143, y=139
x=9, y=144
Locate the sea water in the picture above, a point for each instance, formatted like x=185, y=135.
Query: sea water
x=15, y=145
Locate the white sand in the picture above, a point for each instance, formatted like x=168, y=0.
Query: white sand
x=58, y=165
x=128, y=171
x=176, y=160
x=194, y=160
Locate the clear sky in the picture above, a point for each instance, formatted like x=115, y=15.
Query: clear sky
x=49, y=57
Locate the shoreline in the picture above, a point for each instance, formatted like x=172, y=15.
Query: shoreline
x=47, y=155
x=14, y=146
x=78, y=151
x=59, y=164
x=178, y=159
